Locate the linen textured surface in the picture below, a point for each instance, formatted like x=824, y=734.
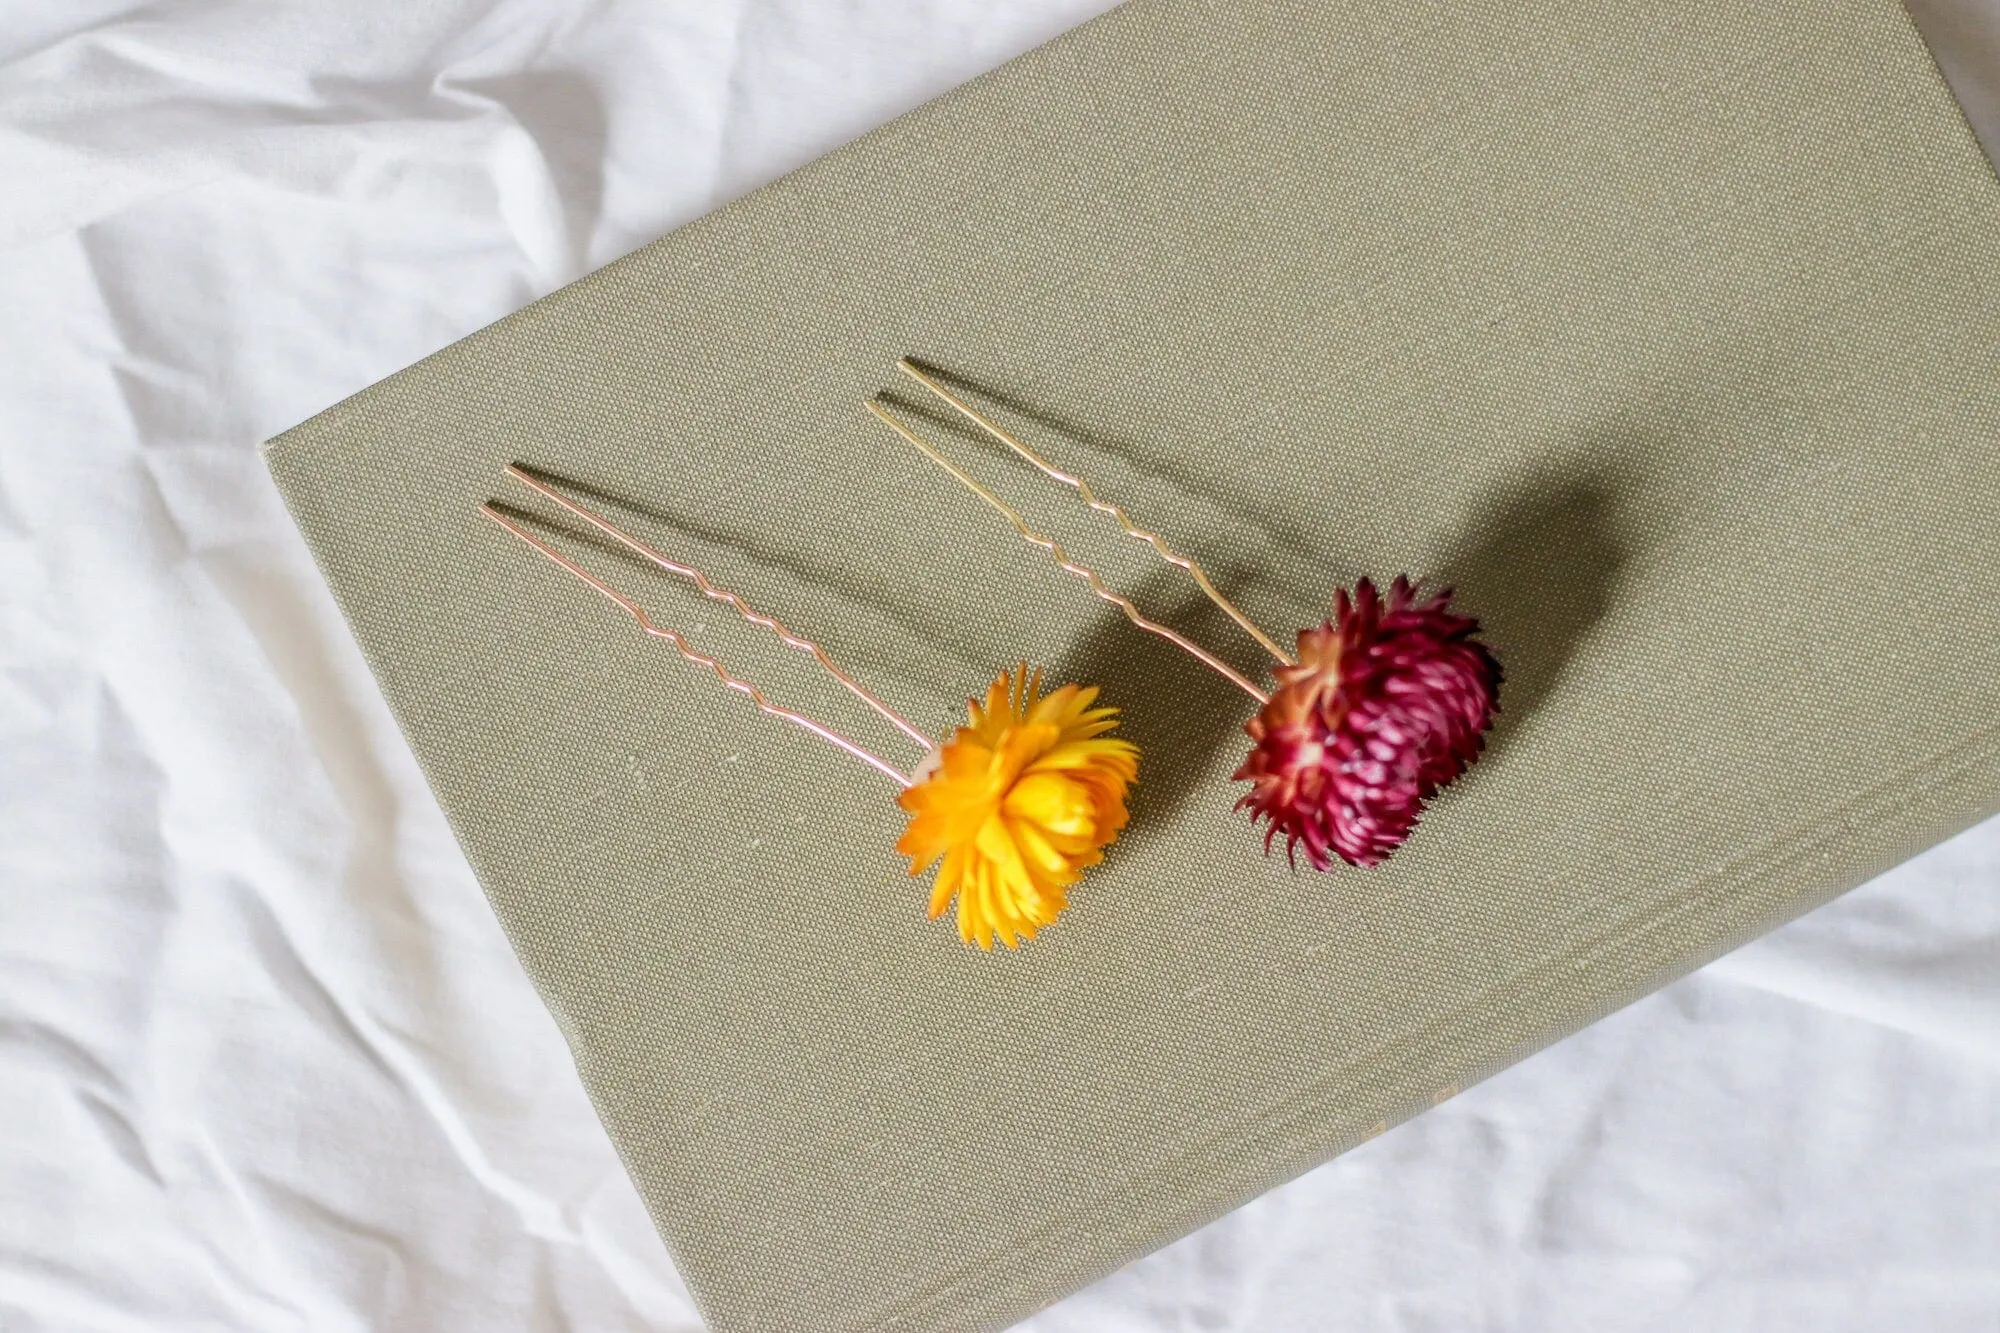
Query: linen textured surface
x=1676, y=389
x=264, y=1059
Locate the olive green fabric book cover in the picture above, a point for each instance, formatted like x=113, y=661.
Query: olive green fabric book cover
x=1666, y=333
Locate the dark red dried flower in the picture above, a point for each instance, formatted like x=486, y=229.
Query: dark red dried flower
x=1390, y=701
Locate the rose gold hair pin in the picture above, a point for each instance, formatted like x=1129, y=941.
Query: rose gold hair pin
x=1385, y=704
x=1012, y=809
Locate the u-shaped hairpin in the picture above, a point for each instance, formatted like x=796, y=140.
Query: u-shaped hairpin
x=1011, y=809
x=1383, y=705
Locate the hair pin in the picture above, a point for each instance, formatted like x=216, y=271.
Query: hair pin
x=1011, y=809
x=1383, y=705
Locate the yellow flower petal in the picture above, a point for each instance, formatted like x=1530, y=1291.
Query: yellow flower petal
x=1056, y=801
x=1021, y=801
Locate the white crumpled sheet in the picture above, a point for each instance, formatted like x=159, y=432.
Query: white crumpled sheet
x=266, y=1062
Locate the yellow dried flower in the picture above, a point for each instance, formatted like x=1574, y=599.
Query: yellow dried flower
x=1018, y=804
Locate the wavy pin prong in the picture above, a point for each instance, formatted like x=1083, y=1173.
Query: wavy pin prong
x=687, y=650
x=1062, y=558
x=1102, y=506
x=714, y=593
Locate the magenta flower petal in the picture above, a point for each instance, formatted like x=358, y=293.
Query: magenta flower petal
x=1389, y=701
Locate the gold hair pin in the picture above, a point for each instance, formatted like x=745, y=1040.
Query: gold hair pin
x=1383, y=705
x=1011, y=809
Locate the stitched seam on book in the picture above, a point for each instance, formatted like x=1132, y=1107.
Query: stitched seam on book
x=1784, y=850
